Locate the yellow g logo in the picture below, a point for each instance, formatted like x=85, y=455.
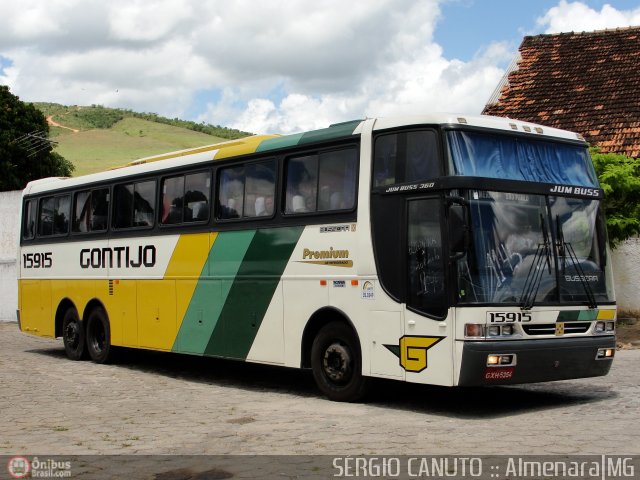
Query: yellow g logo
x=413, y=352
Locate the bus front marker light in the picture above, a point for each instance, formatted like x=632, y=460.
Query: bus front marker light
x=493, y=360
x=506, y=360
x=474, y=330
x=501, y=360
x=604, y=353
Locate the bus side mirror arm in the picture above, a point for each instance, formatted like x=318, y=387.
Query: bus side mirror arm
x=458, y=227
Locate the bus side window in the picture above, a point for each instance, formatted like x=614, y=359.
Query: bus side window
x=172, y=200
x=81, y=221
x=99, y=209
x=196, y=198
x=61, y=215
x=384, y=164
x=406, y=157
x=230, y=192
x=134, y=204
x=29, y=225
x=45, y=221
x=144, y=199
x=54, y=215
x=302, y=184
x=123, y=206
x=337, y=180
x=260, y=189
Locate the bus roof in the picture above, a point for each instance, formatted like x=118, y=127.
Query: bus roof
x=264, y=143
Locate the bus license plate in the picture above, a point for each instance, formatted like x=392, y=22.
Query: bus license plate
x=498, y=373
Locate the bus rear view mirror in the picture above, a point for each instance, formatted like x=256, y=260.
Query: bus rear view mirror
x=458, y=229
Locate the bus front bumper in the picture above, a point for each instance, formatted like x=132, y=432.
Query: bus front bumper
x=535, y=360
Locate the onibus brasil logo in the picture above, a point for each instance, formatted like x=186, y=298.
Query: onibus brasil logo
x=19, y=467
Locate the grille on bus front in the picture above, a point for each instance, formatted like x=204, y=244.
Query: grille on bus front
x=550, y=328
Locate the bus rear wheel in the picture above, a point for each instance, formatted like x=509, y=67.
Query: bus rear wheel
x=73, y=335
x=336, y=363
x=99, y=336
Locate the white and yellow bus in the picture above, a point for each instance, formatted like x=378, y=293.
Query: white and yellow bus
x=435, y=249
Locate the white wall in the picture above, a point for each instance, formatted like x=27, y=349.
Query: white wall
x=9, y=218
x=626, y=271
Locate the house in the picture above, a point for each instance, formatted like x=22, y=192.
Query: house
x=586, y=82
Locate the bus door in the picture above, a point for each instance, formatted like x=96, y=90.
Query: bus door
x=426, y=348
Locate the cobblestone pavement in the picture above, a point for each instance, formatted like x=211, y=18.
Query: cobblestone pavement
x=153, y=403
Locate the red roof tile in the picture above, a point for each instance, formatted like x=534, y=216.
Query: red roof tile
x=584, y=82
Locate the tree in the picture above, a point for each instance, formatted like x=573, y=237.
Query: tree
x=25, y=152
x=619, y=177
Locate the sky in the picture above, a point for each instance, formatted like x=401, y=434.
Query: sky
x=279, y=66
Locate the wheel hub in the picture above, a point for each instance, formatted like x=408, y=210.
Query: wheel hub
x=337, y=362
x=71, y=334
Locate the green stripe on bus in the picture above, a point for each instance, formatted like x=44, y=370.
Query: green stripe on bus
x=252, y=291
x=577, y=315
x=210, y=295
x=338, y=130
x=280, y=142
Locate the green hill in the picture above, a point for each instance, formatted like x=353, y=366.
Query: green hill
x=97, y=138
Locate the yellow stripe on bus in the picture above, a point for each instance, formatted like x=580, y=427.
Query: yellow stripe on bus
x=187, y=261
x=241, y=147
x=606, y=315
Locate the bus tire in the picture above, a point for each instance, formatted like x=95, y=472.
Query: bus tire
x=99, y=336
x=336, y=363
x=73, y=335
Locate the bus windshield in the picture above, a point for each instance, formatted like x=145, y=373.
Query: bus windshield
x=482, y=154
x=527, y=252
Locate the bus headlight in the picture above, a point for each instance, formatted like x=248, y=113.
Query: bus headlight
x=500, y=331
x=605, y=327
x=494, y=331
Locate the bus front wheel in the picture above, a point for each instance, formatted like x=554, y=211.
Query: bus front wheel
x=337, y=364
x=73, y=335
x=99, y=336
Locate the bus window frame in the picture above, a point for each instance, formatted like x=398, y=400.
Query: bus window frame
x=159, y=200
x=242, y=218
x=440, y=147
x=40, y=200
x=133, y=181
x=91, y=189
x=318, y=152
x=35, y=204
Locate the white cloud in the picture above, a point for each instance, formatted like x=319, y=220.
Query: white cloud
x=281, y=65
x=578, y=17
x=136, y=21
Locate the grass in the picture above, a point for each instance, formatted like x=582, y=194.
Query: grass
x=110, y=137
x=96, y=150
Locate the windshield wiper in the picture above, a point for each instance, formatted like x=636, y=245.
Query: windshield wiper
x=534, y=276
x=565, y=249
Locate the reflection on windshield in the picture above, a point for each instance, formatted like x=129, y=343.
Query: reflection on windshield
x=580, y=248
x=518, y=243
